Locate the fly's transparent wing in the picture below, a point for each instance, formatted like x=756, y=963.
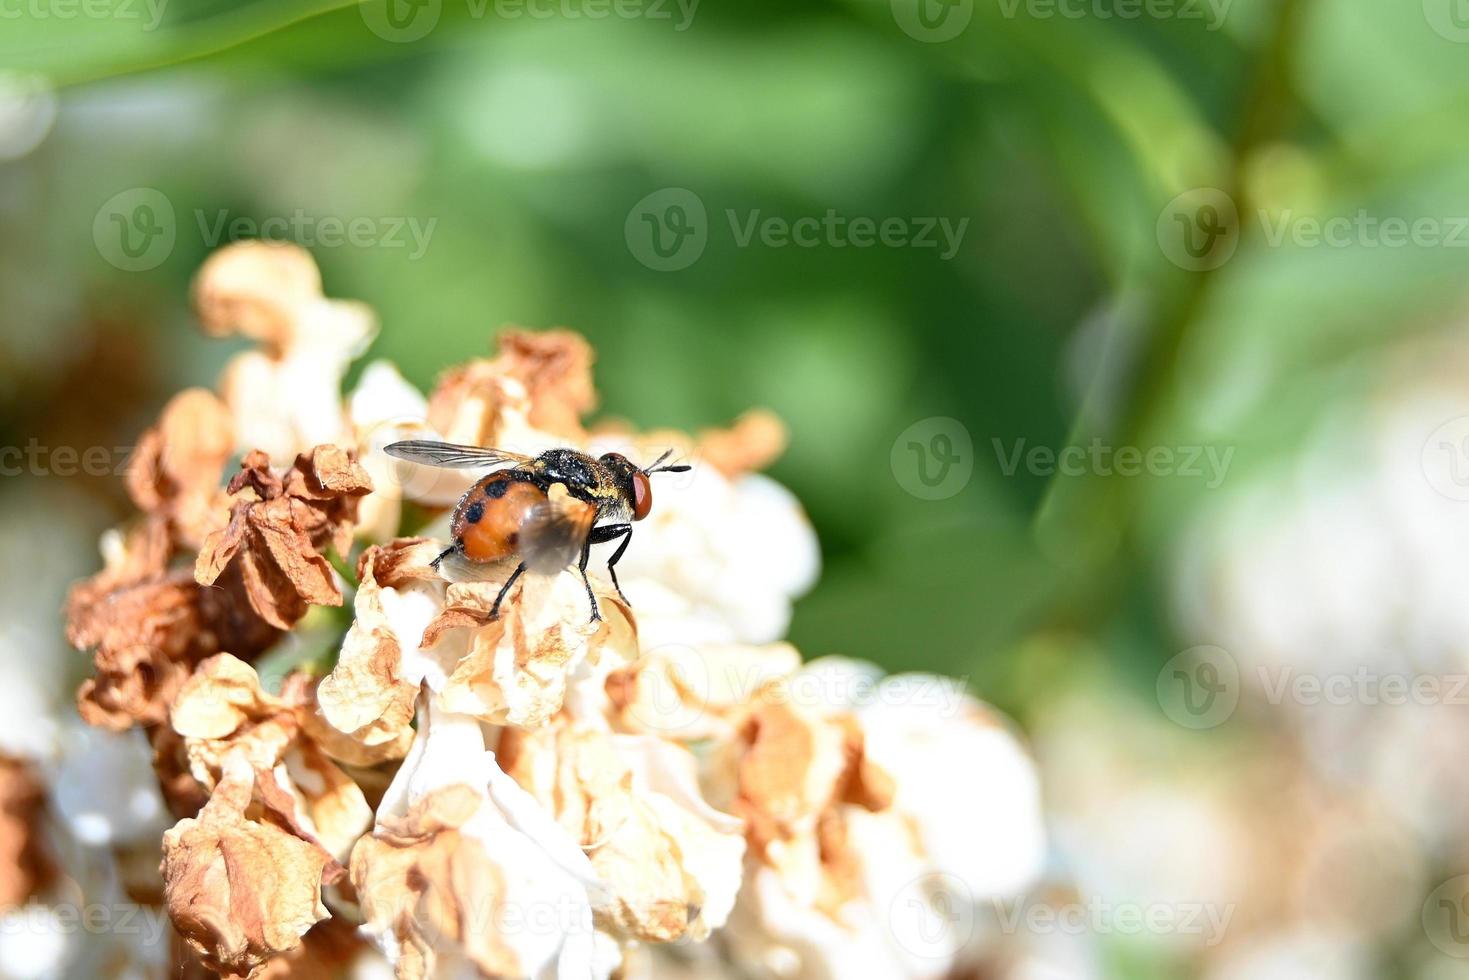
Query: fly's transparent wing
x=552, y=535
x=450, y=456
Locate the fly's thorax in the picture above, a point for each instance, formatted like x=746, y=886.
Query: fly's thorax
x=576, y=470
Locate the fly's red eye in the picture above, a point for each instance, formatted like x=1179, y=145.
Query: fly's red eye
x=642, y=496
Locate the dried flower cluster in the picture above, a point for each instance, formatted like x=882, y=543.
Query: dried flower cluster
x=362, y=763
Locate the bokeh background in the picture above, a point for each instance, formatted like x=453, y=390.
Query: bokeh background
x=1135, y=187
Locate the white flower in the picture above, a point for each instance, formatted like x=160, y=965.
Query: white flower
x=717, y=560
x=465, y=874
x=287, y=396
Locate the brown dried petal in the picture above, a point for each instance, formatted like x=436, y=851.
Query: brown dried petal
x=176, y=469
x=222, y=696
x=366, y=696
x=24, y=867
x=548, y=374
x=223, y=714
x=148, y=636
x=240, y=890
x=756, y=440
x=690, y=693
x=278, y=531
x=518, y=665
x=422, y=880
x=648, y=849
x=253, y=289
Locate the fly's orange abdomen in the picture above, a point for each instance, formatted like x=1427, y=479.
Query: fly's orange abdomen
x=488, y=521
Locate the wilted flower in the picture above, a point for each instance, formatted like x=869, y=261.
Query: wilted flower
x=149, y=624
x=239, y=888
x=535, y=793
x=464, y=869
x=222, y=711
x=286, y=396
x=279, y=530
x=670, y=861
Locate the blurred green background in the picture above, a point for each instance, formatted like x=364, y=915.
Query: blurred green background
x=1062, y=133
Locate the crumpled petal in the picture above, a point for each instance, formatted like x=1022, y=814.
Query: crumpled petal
x=240, y=889
x=518, y=667
x=223, y=714
x=277, y=534
x=369, y=695
x=464, y=871
x=989, y=830
x=285, y=397
x=684, y=692
x=671, y=862
x=178, y=465
x=24, y=866
x=539, y=381
x=863, y=841
x=148, y=626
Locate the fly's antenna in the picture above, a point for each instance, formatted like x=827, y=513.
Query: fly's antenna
x=657, y=466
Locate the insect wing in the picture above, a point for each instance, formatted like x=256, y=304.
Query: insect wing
x=450, y=456
x=554, y=532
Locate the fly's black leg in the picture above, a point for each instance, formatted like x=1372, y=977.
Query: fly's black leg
x=611, y=532
x=616, y=557
x=442, y=555
x=586, y=553
x=495, y=609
